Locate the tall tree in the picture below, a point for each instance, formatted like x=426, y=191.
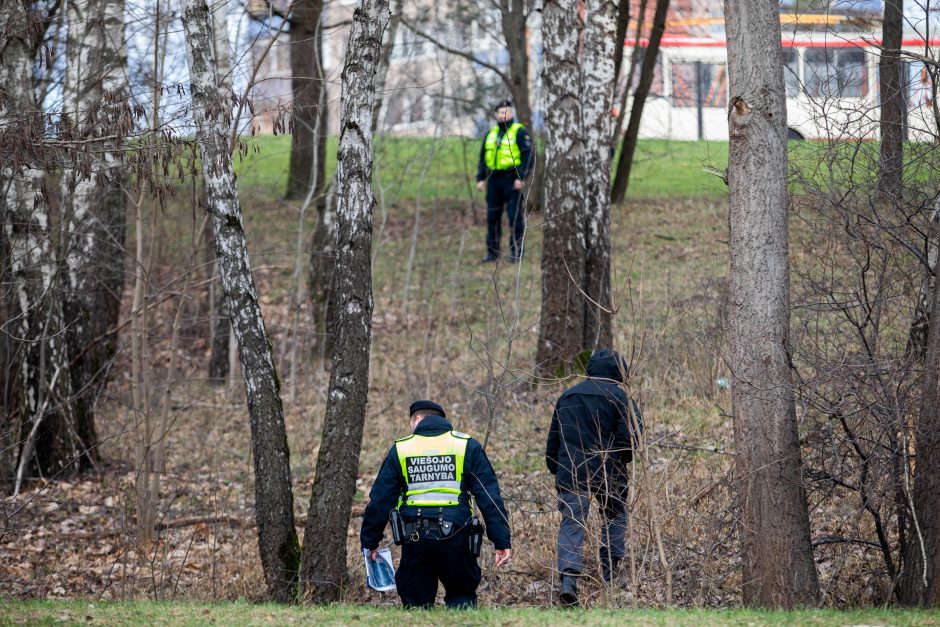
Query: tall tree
x=920, y=575
x=892, y=102
x=42, y=411
x=561, y=330
x=308, y=116
x=597, y=82
x=647, y=73
x=95, y=111
x=324, y=571
x=274, y=501
x=578, y=79
x=777, y=553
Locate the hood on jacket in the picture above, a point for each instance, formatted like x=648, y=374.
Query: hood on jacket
x=608, y=364
x=433, y=425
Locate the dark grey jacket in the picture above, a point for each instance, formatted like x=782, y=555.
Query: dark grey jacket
x=594, y=432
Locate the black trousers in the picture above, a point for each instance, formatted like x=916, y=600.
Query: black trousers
x=501, y=193
x=433, y=559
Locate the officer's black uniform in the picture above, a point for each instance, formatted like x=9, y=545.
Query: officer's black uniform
x=435, y=558
x=501, y=192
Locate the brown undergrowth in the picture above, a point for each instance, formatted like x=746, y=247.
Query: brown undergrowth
x=467, y=340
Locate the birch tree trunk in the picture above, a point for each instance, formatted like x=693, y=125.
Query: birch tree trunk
x=597, y=83
x=892, y=103
x=93, y=199
x=221, y=326
x=42, y=377
x=561, y=329
x=274, y=502
x=775, y=535
x=324, y=570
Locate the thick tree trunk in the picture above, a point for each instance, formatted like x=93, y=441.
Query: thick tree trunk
x=274, y=501
x=308, y=122
x=625, y=163
x=775, y=536
x=324, y=569
x=892, y=103
x=920, y=578
x=93, y=201
x=42, y=409
x=597, y=84
x=561, y=330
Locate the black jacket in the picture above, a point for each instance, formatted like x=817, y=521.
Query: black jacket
x=593, y=434
x=478, y=479
x=523, y=140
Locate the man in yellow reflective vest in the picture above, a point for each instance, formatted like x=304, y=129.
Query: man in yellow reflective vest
x=505, y=162
x=426, y=485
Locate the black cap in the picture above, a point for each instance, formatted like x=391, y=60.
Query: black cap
x=503, y=103
x=429, y=405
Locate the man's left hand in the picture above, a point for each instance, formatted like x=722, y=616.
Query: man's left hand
x=517, y=185
x=502, y=555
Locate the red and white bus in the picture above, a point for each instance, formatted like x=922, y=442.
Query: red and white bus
x=831, y=84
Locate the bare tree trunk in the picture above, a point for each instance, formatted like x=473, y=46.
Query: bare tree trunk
x=42, y=407
x=597, y=82
x=321, y=280
x=220, y=324
x=381, y=74
x=324, y=570
x=625, y=163
x=777, y=553
x=561, y=328
x=308, y=147
x=920, y=574
x=892, y=103
x=513, y=22
x=274, y=501
x=94, y=205
x=620, y=35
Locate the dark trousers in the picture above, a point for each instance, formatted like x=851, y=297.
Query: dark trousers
x=574, y=508
x=500, y=193
x=432, y=559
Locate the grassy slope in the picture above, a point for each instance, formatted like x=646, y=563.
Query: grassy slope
x=150, y=613
x=662, y=169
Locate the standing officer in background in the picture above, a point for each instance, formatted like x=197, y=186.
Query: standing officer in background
x=590, y=445
x=505, y=162
x=425, y=486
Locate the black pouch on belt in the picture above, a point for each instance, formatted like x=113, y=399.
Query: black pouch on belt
x=398, y=529
x=475, y=537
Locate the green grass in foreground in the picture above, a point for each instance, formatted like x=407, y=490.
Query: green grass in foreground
x=241, y=613
x=662, y=168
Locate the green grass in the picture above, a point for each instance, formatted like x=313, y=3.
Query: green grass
x=154, y=613
x=662, y=168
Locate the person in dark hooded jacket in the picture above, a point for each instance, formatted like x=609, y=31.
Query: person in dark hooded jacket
x=594, y=430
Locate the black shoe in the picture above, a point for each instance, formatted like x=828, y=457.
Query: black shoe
x=568, y=597
x=489, y=259
x=609, y=571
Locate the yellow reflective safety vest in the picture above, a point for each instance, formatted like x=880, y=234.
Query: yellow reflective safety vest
x=433, y=468
x=502, y=153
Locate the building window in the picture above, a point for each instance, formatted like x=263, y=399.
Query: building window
x=791, y=72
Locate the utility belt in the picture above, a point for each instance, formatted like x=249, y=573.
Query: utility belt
x=408, y=530
x=513, y=171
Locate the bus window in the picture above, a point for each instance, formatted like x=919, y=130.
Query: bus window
x=685, y=89
x=918, y=84
x=791, y=72
x=836, y=72
x=656, y=88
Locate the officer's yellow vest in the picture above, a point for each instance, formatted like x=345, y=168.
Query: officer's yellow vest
x=504, y=153
x=433, y=468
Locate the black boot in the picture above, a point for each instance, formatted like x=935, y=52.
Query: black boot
x=609, y=569
x=568, y=596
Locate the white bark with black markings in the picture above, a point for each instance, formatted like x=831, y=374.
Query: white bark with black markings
x=324, y=571
x=775, y=535
x=277, y=538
